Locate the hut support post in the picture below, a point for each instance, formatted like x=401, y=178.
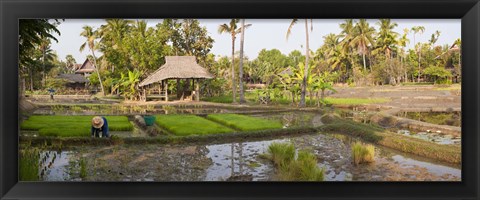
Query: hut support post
x=166, y=90
x=144, y=95
x=197, y=91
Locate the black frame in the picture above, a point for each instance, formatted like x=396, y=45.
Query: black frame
x=467, y=10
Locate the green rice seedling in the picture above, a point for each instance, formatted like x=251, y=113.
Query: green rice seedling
x=71, y=126
x=307, y=166
x=302, y=168
x=29, y=165
x=363, y=153
x=281, y=153
x=184, y=125
x=83, y=167
x=245, y=123
x=76, y=108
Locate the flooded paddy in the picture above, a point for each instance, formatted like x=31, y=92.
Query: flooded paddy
x=237, y=161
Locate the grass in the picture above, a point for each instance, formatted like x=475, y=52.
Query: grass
x=363, y=153
x=28, y=164
x=71, y=126
x=286, y=101
x=355, y=101
x=302, y=168
x=83, y=168
x=440, y=118
x=281, y=153
x=245, y=123
x=183, y=125
x=377, y=135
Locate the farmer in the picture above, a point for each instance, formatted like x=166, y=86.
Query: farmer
x=51, y=91
x=99, y=124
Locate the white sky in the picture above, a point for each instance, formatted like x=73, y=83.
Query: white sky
x=264, y=33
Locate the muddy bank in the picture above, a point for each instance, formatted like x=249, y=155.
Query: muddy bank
x=389, y=119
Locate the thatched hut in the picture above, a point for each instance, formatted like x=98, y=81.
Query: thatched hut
x=86, y=68
x=176, y=67
x=74, y=81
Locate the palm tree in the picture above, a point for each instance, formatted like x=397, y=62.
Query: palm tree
x=44, y=47
x=240, y=76
x=233, y=31
x=307, y=57
x=71, y=62
x=403, y=43
x=91, y=36
x=387, y=38
x=346, y=42
x=363, y=37
x=415, y=30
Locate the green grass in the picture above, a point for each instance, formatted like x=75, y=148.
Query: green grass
x=302, y=168
x=71, y=126
x=83, y=168
x=29, y=164
x=245, y=123
x=363, y=153
x=183, y=125
x=354, y=101
x=281, y=153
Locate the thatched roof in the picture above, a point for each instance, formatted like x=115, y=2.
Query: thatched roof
x=181, y=67
x=87, y=67
x=73, y=78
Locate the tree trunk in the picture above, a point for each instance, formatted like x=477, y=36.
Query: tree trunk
x=364, y=62
x=234, y=87
x=305, y=74
x=98, y=73
x=419, y=57
x=31, y=80
x=240, y=76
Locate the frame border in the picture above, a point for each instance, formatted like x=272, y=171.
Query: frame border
x=467, y=10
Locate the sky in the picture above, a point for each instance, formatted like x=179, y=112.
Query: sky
x=263, y=33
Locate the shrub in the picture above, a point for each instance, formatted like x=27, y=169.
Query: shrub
x=363, y=153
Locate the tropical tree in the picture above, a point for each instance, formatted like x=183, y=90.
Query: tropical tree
x=71, y=62
x=402, y=42
x=307, y=57
x=362, y=38
x=233, y=30
x=415, y=30
x=91, y=36
x=387, y=38
x=240, y=79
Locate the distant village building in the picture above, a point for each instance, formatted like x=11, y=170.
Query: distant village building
x=74, y=81
x=86, y=68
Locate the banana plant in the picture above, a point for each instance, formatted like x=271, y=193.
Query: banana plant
x=129, y=84
x=322, y=83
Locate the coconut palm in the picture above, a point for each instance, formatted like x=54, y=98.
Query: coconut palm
x=362, y=38
x=91, y=36
x=233, y=30
x=240, y=76
x=307, y=57
x=44, y=47
x=415, y=30
x=402, y=42
x=387, y=38
x=347, y=35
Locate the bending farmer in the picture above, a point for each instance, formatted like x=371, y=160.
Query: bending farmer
x=99, y=124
